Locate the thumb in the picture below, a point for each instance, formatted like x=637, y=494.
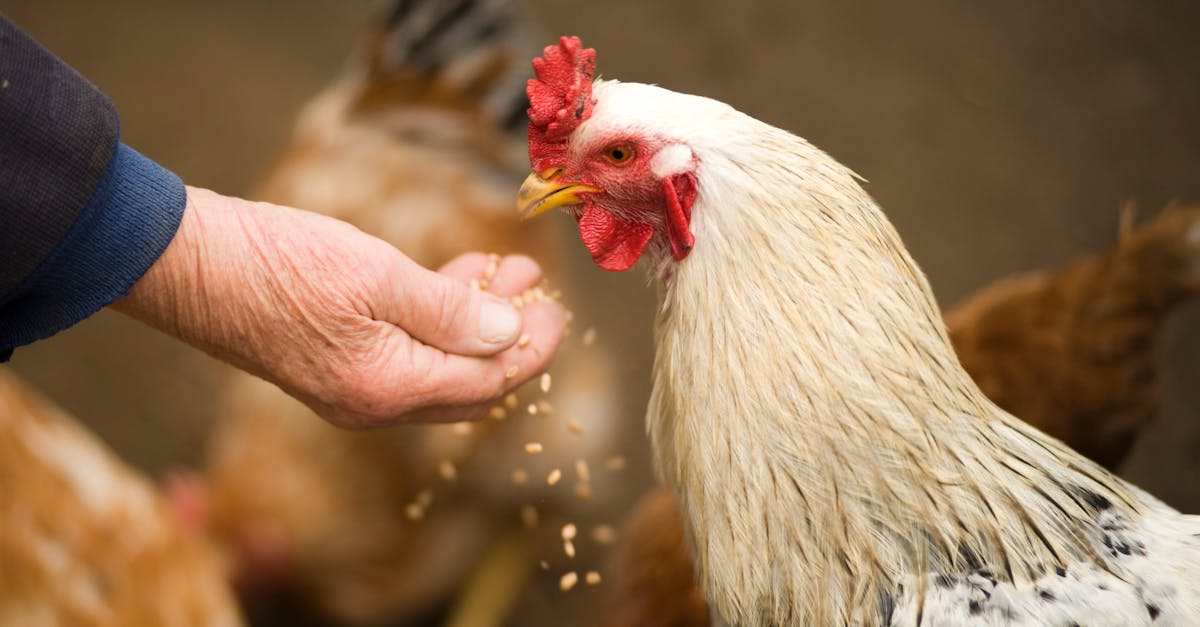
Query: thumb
x=447, y=314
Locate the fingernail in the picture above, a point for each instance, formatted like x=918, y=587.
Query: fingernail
x=498, y=322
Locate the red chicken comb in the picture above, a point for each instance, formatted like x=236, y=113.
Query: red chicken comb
x=560, y=99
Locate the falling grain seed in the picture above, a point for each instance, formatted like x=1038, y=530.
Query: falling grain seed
x=544, y=565
x=425, y=498
x=569, y=531
x=511, y=372
x=615, y=463
x=554, y=476
x=545, y=383
x=575, y=427
x=529, y=516
x=474, y=284
x=545, y=407
x=592, y=578
x=519, y=476
x=510, y=401
x=533, y=448
x=523, y=341
x=497, y=413
x=604, y=534
x=532, y=409
x=582, y=470
x=447, y=470
x=569, y=548
x=414, y=511
x=583, y=491
x=589, y=336
x=462, y=428
x=568, y=581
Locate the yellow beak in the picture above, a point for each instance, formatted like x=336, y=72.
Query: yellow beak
x=541, y=192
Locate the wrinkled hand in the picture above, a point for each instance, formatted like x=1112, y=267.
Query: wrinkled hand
x=341, y=320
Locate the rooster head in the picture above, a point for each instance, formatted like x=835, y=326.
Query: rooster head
x=593, y=153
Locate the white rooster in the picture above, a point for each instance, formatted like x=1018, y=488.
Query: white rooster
x=834, y=462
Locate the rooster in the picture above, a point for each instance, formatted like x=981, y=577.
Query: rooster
x=1069, y=351
x=834, y=462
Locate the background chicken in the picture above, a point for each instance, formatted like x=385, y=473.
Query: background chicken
x=1068, y=351
x=834, y=461
x=421, y=144
x=85, y=540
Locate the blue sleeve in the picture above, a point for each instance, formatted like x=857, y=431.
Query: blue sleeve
x=82, y=216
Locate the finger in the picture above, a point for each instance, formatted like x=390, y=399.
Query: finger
x=443, y=312
x=465, y=267
x=434, y=379
x=515, y=274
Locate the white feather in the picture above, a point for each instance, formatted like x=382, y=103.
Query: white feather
x=834, y=462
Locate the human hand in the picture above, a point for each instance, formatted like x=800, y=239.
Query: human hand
x=341, y=320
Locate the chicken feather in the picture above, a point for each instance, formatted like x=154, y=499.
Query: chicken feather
x=834, y=462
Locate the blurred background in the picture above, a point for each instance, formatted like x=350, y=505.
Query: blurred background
x=999, y=138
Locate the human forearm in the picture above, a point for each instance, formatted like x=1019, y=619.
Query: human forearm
x=340, y=319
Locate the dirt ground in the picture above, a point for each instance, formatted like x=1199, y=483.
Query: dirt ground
x=999, y=137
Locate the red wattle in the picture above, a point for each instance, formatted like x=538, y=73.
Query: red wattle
x=615, y=244
x=680, y=191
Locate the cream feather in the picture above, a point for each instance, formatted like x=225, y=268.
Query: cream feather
x=835, y=463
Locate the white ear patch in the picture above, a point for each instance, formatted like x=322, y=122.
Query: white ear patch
x=672, y=160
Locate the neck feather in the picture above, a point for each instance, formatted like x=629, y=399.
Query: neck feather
x=810, y=411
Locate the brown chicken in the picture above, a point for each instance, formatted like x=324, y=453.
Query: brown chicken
x=420, y=144
x=85, y=540
x=1069, y=351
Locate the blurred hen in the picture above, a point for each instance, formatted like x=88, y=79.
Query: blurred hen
x=86, y=541
x=421, y=143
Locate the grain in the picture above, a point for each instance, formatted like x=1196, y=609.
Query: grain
x=414, y=512
x=497, y=413
x=584, y=492
x=523, y=341
x=615, y=463
x=569, y=548
x=575, y=427
x=462, y=428
x=511, y=372
x=520, y=476
x=510, y=401
x=532, y=410
x=545, y=383
x=554, y=476
x=529, y=516
x=582, y=471
x=447, y=470
x=493, y=264
x=545, y=407
x=568, y=531
x=533, y=448
x=589, y=336
x=568, y=581
x=604, y=534
x=592, y=578
x=425, y=498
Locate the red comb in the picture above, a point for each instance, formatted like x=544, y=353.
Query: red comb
x=560, y=99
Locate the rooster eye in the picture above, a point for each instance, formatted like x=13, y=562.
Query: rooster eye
x=618, y=153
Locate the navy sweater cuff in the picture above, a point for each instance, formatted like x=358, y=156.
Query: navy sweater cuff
x=127, y=224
